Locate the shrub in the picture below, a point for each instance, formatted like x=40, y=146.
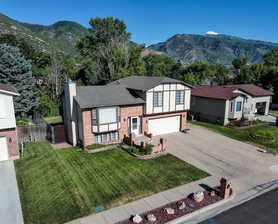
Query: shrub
x=134, y=149
x=148, y=149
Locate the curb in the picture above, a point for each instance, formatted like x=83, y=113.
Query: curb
x=201, y=210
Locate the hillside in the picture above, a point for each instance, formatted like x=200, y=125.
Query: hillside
x=61, y=35
x=220, y=49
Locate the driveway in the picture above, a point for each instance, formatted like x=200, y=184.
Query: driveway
x=10, y=208
x=223, y=157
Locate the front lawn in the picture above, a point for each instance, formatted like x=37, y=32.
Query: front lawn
x=60, y=185
x=245, y=135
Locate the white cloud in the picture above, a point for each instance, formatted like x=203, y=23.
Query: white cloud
x=211, y=33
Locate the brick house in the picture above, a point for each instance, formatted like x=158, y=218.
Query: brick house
x=8, y=133
x=135, y=104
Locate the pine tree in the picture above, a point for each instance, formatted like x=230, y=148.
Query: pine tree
x=17, y=71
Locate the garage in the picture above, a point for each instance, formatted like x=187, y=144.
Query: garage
x=3, y=149
x=164, y=125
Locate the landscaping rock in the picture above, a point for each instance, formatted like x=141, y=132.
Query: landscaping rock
x=212, y=193
x=181, y=205
x=137, y=219
x=151, y=218
x=198, y=196
x=170, y=211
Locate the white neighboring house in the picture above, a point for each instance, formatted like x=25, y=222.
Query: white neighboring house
x=222, y=104
x=8, y=132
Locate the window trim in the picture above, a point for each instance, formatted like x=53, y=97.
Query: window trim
x=181, y=102
x=158, y=105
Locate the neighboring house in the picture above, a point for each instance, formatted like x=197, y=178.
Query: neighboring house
x=221, y=104
x=8, y=133
x=136, y=104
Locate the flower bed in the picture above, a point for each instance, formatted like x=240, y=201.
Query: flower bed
x=99, y=148
x=241, y=124
x=190, y=206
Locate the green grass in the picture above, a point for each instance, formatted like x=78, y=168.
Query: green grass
x=244, y=134
x=275, y=112
x=60, y=185
x=53, y=120
x=23, y=121
x=95, y=146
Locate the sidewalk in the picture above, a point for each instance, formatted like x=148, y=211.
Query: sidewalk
x=125, y=211
x=10, y=207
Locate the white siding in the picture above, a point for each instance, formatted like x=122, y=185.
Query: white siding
x=7, y=118
x=169, y=98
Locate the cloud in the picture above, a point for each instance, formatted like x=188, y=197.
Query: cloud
x=211, y=33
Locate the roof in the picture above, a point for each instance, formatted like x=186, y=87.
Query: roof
x=227, y=92
x=4, y=88
x=101, y=96
x=145, y=83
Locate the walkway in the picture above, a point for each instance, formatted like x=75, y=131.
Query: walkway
x=10, y=207
x=125, y=211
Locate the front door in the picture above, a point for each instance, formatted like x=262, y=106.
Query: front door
x=3, y=149
x=135, y=125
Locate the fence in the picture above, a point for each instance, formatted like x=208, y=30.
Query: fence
x=32, y=133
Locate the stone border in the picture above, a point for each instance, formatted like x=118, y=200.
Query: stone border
x=104, y=148
x=249, y=126
x=145, y=157
x=201, y=210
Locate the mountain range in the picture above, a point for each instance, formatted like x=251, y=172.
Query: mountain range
x=187, y=48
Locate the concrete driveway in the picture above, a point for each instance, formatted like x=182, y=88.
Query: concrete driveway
x=223, y=157
x=10, y=208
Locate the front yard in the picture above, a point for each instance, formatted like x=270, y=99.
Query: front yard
x=60, y=185
x=245, y=135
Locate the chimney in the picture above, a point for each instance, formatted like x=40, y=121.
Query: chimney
x=70, y=111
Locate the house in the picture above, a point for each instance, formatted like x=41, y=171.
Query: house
x=8, y=133
x=222, y=104
x=135, y=104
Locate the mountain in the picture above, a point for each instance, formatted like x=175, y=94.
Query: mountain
x=221, y=49
x=60, y=36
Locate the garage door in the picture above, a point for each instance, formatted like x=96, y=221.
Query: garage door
x=3, y=149
x=165, y=125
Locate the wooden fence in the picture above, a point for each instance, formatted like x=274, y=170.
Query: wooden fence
x=32, y=133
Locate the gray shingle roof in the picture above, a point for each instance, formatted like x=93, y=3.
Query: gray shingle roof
x=145, y=83
x=98, y=96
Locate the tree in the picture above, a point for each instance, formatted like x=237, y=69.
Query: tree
x=271, y=58
x=109, y=48
x=239, y=62
x=198, y=73
x=16, y=70
x=222, y=76
x=162, y=65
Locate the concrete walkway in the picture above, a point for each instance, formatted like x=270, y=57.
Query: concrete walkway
x=10, y=207
x=125, y=211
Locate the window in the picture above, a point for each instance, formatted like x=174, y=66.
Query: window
x=105, y=137
x=94, y=117
x=107, y=115
x=157, y=99
x=114, y=136
x=134, y=123
x=231, y=106
x=238, y=106
x=179, y=97
x=97, y=139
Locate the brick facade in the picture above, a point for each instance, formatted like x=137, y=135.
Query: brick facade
x=88, y=137
x=126, y=112
x=11, y=135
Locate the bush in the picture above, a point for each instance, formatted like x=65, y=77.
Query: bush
x=23, y=121
x=134, y=149
x=262, y=135
x=148, y=149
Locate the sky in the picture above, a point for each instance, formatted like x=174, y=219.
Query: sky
x=153, y=21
